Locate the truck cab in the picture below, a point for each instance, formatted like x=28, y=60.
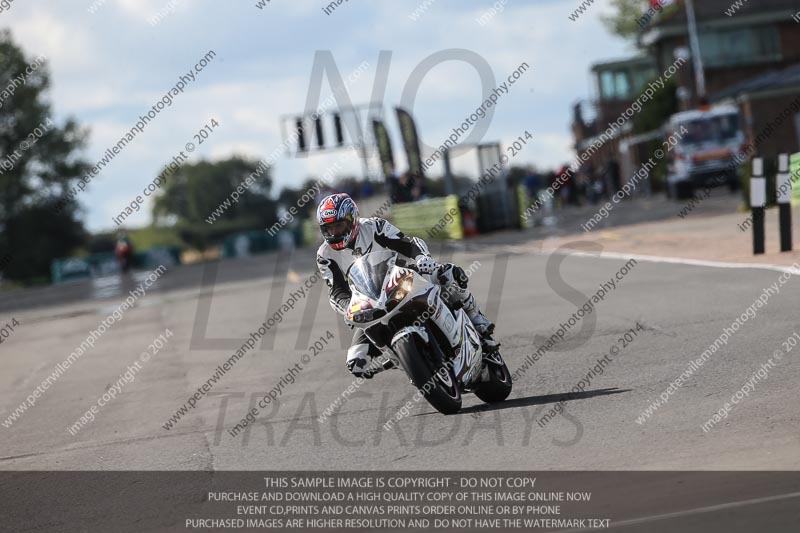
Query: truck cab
x=706, y=152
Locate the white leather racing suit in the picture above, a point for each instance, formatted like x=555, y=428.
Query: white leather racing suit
x=377, y=234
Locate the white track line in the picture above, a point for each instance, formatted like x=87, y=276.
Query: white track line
x=690, y=512
x=682, y=261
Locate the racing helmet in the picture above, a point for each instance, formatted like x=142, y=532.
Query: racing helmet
x=337, y=216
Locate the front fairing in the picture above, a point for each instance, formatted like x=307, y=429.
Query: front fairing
x=367, y=273
x=380, y=288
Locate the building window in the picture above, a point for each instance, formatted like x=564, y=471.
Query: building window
x=641, y=78
x=624, y=83
x=741, y=46
x=614, y=85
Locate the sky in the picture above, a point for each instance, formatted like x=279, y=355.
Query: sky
x=109, y=64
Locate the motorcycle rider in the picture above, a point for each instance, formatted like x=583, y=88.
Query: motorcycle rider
x=123, y=251
x=348, y=237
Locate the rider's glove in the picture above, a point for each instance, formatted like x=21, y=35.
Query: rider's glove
x=358, y=366
x=425, y=264
x=344, y=304
x=450, y=273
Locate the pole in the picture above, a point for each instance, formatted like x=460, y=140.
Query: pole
x=783, y=184
x=758, y=199
x=694, y=43
x=449, y=188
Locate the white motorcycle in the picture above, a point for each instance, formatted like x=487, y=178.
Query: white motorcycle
x=409, y=319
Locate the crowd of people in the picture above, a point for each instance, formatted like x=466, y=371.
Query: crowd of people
x=589, y=185
x=404, y=188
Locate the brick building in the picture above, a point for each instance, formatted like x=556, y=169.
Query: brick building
x=770, y=109
x=751, y=57
x=759, y=37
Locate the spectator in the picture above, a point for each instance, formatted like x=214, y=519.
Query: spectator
x=570, y=188
x=403, y=187
x=366, y=189
x=612, y=176
x=597, y=188
x=533, y=183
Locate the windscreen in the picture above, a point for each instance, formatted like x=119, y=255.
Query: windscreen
x=368, y=272
x=712, y=129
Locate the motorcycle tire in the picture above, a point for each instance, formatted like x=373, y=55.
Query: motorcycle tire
x=499, y=385
x=441, y=391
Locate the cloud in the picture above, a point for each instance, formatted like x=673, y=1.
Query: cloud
x=69, y=48
x=552, y=149
x=143, y=9
x=110, y=66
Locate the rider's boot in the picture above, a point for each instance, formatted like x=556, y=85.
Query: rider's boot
x=482, y=324
x=454, y=279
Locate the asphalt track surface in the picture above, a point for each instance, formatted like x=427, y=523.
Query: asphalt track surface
x=680, y=309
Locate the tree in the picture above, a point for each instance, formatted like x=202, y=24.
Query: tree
x=654, y=114
x=657, y=111
x=624, y=21
x=299, y=198
x=203, y=201
x=38, y=163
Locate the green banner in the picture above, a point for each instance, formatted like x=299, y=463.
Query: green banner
x=436, y=218
x=525, y=202
x=411, y=142
x=384, y=148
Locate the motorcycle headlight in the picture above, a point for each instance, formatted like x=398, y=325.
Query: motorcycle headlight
x=403, y=288
x=368, y=315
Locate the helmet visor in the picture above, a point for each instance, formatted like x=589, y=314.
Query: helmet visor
x=337, y=230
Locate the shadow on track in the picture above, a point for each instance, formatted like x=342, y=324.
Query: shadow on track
x=528, y=401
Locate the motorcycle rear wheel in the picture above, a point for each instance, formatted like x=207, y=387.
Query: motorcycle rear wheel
x=438, y=386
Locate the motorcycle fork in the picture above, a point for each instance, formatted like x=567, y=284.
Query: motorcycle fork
x=446, y=322
x=439, y=357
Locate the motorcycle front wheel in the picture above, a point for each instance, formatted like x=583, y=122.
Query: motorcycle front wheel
x=498, y=387
x=438, y=386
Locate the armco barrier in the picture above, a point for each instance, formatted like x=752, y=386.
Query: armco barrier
x=436, y=218
x=245, y=243
x=104, y=264
x=73, y=268
x=310, y=233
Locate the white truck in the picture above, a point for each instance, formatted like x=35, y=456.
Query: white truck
x=706, y=152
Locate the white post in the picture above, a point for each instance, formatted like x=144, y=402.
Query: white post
x=694, y=43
